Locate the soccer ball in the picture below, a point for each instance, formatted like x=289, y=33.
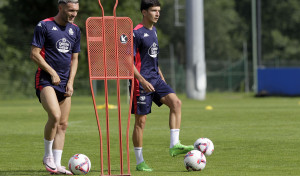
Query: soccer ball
x=79, y=164
x=195, y=161
x=204, y=145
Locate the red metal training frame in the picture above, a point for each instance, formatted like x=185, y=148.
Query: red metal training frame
x=110, y=57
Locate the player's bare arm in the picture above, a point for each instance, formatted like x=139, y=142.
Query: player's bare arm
x=73, y=71
x=146, y=85
x=40, y=61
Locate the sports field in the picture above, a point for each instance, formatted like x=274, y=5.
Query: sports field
x=252, y=136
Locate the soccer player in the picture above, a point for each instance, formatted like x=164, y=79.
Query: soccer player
x=150, y=85
x=55, y=48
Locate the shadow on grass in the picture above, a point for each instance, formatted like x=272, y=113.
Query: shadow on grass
x=36, y=172
x=91, y=173
x=24, y=172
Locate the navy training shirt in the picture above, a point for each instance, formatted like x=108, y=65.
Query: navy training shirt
x=145, y=46
x=58, y=43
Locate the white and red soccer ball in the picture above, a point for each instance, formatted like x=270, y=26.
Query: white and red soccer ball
x=205, y=146
x=79, y=164
x=195, y=161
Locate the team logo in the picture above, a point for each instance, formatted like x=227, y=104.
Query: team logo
x=146, y=35
x=63, y=45
x=71, y=32
x=153, y=50
x=142, y=98
x=54, y=28
x=123, y=39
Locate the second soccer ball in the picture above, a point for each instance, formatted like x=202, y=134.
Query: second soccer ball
x=205, y=146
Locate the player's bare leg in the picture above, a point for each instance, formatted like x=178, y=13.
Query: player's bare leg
x=139, y=126
x=137, y=138
x=59, y=140
x=174, y=103
x=65, y=107
x=51, y=106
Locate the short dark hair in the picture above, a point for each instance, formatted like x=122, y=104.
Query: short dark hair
x=67, y=1
x=146, y=4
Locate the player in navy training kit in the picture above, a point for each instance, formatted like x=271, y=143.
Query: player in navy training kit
x=55, y=49
x=150, y=85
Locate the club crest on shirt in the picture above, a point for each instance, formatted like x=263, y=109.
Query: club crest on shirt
x=63, y=45
x=71, y=32
x=153, y=50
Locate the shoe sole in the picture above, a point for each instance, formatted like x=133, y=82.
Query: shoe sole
x=181, y=151
x=49, y=169
x=59, y=173
x=143, y=169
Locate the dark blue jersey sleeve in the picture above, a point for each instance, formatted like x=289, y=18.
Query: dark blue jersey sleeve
x=39, y=35
x=136, y=42
x=76, y=48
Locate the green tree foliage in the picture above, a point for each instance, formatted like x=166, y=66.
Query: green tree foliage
x=224, y=30
x=17, y=22
x=280, y=24
x=15, y=67
x=227, y=26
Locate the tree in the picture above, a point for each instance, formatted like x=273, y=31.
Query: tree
x=17, y=26
x=14, y=67
x=280, y=23
x=224, y=30
x=227, y=26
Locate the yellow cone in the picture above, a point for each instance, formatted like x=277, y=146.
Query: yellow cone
x=209, y=108
x=109, y=106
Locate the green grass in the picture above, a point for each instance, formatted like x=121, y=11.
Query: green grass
x=252, y=136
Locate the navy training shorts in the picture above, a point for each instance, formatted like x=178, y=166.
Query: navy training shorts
x=60, y=95
x=43, y=80
x=142, y=103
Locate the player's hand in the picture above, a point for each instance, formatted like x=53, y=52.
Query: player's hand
x=69, y=90
x=55, y=79
x=148, y=86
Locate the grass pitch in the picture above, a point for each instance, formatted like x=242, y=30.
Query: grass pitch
x=252, y=136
